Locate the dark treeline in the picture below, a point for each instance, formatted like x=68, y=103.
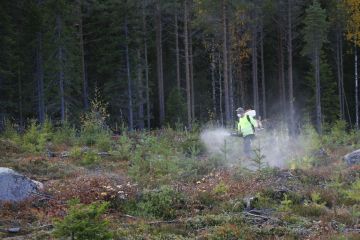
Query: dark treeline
x=178, y=61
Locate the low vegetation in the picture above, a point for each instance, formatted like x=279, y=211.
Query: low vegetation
x=163, y=185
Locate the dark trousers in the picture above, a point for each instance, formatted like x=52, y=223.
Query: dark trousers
x=247, y=144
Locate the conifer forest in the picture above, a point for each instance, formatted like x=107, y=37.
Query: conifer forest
x=155, y=63
x=179, y=119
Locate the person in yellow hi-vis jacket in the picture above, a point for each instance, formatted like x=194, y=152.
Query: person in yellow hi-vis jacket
x=246, y=128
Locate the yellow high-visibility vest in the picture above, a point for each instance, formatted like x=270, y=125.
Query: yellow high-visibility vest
x=245, y=127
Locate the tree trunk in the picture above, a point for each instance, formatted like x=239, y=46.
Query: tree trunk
x=159, y=57
x=213, y=68
x=225, y=66
x=178, y=79
x=187, y=64
x=191, y=69
x=128, y=73
x=40, y=79
x=21, y=116
x=85, y=93
x=342, y=75
x=221, y=94
x=255, y=69
x=61, y=69
x=140, y=88
x=282, y=75
x=290, y=73
x=242, y=85
x=318, y=92
x=263, y=72
x=148, y=117
x=356, y=91
x=231, y=88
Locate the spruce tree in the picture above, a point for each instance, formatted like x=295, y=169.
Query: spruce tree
x=315, y=34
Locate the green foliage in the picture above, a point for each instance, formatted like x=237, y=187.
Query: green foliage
x=309, y=210
x=329, y=103
x=285, y=204
x=10, y=132
x=221, y=189
x=258, y=161
x=315, y=198
x=192, y=145
x=83, y=222
x=160, y=158
x=233, y=206
x=90, y=158
x=207, y=199
x=123, y=148
x=338, y=135
x=315, y=30
x=149, y=168
x=175, y=108
x=354, y=192
x=263, y=201
x=309, y=138
x=158, y=203
x=94, y=131
x=313, y=208
x=205, y=221
x=37, y=136
x=76, y=152
x=65, y=135
x=226, y=231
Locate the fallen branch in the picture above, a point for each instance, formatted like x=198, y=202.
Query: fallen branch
x=165, y=222
x=255, y=215
x=128, y=216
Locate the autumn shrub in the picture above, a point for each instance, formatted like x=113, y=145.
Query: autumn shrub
x=83, y=222
x=94, y=131
x=158, y=203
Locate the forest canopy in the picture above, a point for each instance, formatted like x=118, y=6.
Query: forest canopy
x=154, y=63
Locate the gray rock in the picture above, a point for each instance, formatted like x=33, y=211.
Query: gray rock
x=14, y=230
x=65, y=154
x=15, y=187
x=352, y=158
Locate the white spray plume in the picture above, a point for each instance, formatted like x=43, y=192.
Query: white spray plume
x=276, y=146
x=214, y=139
